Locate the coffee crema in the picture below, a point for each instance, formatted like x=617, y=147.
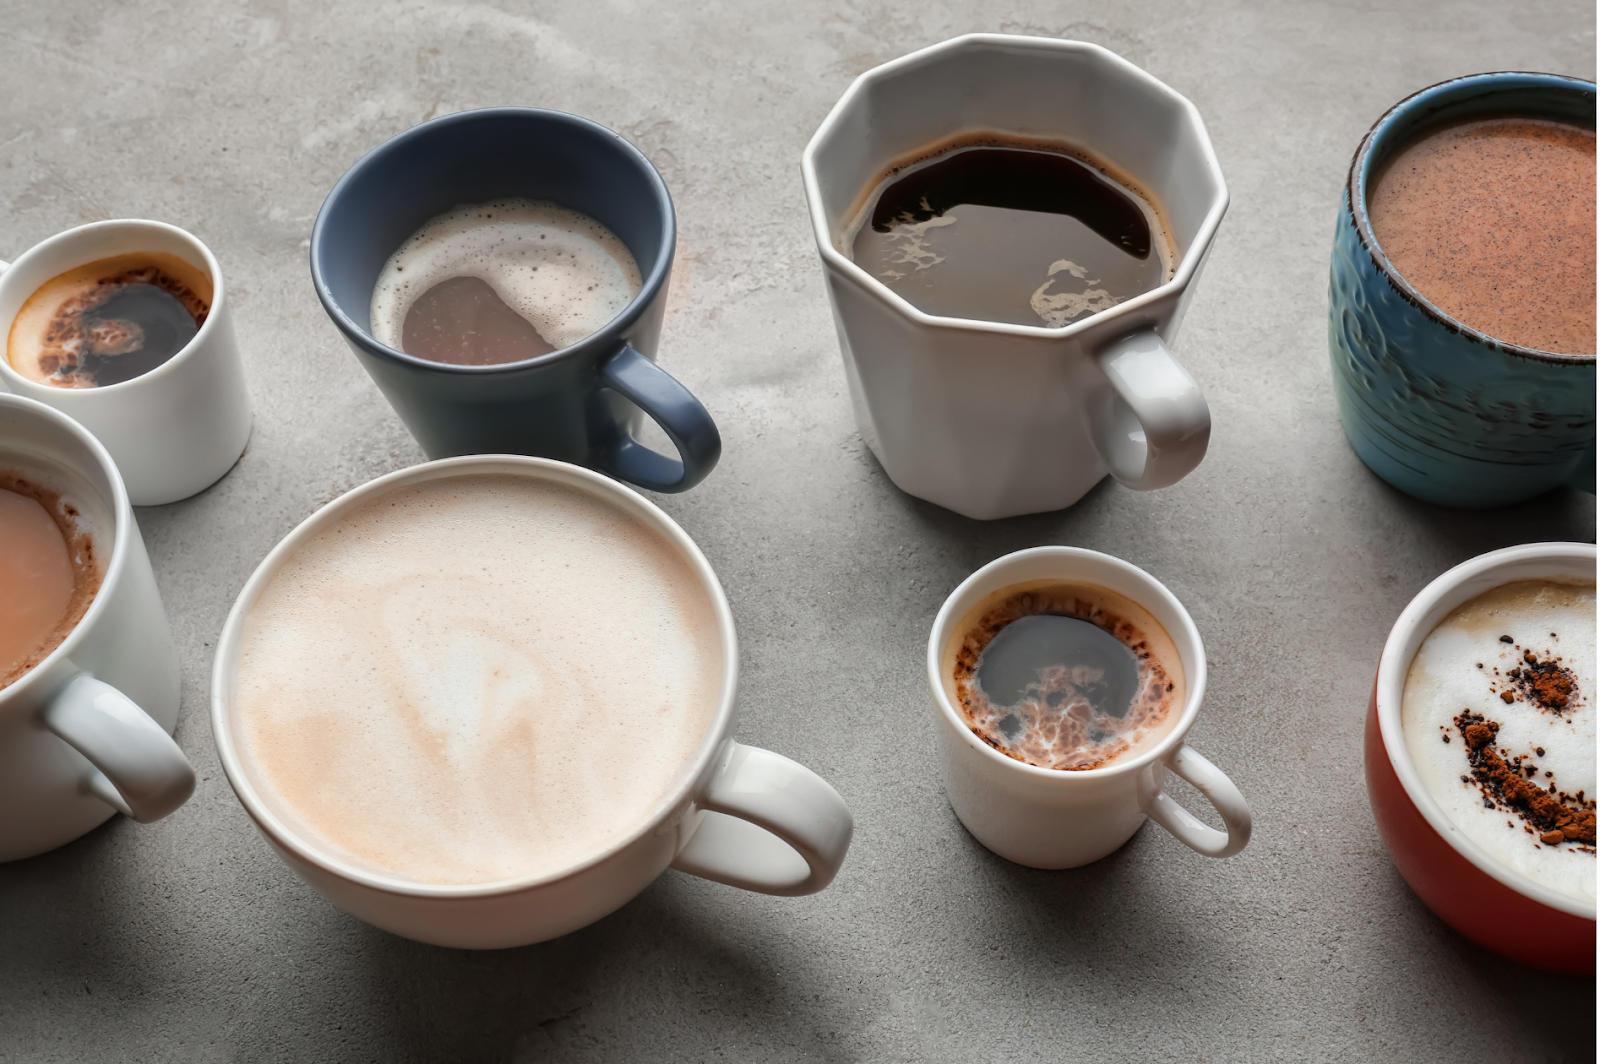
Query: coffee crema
x=49, y=573
x=1498, y=716
x=1007, y=229
x=109, y=321
x=500, y=282
x=1064, y=675
x=1493, y=222
x=476, y=679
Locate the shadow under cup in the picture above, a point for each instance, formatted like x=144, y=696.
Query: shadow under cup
x=581, y=404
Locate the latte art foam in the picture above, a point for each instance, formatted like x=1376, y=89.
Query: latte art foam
x=477, y=679
x=562, y=272
x=1498, y=716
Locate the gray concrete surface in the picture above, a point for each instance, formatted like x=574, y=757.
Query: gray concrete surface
x=188, y=940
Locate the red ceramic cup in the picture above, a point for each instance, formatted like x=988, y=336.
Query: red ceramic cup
x=1496, y=907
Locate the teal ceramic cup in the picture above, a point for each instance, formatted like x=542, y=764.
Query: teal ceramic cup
x=1433, y=406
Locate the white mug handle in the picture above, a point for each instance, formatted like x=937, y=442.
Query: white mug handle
x=769, y=825
x=1152, y=425
x=1212, y=782
x=139, y=770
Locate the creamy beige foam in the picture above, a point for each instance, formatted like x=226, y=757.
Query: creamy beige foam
x=1467, y=683
x=562, y=271
x=476, y=679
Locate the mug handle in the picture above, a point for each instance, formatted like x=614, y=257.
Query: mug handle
x=139, y=770
x=1212, y=782
x=676, y=410
x=769, y=824
x=1152, y=425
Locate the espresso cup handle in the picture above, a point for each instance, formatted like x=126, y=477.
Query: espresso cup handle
x=1212, y=782
x=139, y=770
x=1152, y=425
x=681, y=417
x=769, y=825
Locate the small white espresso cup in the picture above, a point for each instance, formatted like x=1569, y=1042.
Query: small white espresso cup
x=990, y=419
x=87, y=732
x=740, y=815
x=1054, y=818
x=175, y=430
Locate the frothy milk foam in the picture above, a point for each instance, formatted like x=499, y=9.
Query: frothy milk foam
x=562, y=271
x=476, y=679
x=1472, y=682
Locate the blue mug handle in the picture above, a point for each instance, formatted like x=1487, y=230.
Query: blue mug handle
x=680, y=415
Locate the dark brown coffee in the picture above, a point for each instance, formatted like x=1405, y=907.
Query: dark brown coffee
x=1023, y=232
x=1493, y=222
x=1066, y=676
x=109, y=321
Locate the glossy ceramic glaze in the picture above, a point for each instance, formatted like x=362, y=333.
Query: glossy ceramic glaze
x=1487, y=902
x=1434, y=407
x=994, y=420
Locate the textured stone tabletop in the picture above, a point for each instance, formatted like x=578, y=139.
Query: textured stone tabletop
x=188, y=941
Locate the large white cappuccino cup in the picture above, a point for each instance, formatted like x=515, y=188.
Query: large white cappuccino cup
x=736, y=814
x=986, y=418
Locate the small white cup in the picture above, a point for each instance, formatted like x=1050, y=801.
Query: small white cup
x=87, y=732
x=742, y=816
x=1051, y=818
x=175, y=430
x=989, y=419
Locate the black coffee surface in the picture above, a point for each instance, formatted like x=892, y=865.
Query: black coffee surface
x=1012, y=235
x=1048, y=659
x=137, y=328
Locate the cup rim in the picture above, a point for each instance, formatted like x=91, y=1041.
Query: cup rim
x=633, y=505
x=25, y=386
x=1196, y=682
x=1360, y=171
x=605, y=335
x=833, y=259
x=1414, y=624
x=121, y=536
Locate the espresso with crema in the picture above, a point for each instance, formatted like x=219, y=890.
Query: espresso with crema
x=492, y=283
x=1064, y=675
x=477, y=679
x=1493, y=222
x=109, y=321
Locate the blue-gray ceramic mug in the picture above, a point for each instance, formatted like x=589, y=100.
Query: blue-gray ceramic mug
x=580, y=404
x=1433, y=406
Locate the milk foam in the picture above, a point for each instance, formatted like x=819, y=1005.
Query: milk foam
x=564, y=272
x=475, y=680
x=1444, y=681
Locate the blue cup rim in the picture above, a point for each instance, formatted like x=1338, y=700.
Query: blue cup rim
x=1414, y=109
x=605, y=336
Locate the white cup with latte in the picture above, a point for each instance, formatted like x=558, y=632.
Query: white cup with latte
x=484, y=701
